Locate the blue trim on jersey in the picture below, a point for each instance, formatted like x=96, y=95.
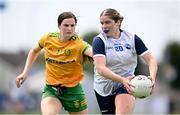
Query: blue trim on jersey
x=98, y=46
x=139, y=45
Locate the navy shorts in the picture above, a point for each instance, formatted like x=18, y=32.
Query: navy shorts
x=107, y=103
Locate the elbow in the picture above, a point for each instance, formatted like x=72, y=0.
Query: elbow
x=34, y=51
x=99, y=70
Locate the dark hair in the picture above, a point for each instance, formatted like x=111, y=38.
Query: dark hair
x=66, y=15
x=113, y=14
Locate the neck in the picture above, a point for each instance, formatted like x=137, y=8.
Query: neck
x=61, y=37
x=116, y=34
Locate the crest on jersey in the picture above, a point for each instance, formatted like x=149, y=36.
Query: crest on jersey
x=67, y=52
x=76, y=103
x=128, y=46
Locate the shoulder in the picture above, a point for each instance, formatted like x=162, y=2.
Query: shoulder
x=75, y=37
x=140, y=46
x=97, y=40
x=98, y=46
x=53, y=34
x=78, y=40
x=128, y=34
x=49, y=35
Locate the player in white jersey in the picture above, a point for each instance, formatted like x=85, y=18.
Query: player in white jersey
x=115, y=54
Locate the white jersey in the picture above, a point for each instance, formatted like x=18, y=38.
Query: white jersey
x=121, y=58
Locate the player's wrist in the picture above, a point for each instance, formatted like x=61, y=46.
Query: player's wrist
x=123, y=80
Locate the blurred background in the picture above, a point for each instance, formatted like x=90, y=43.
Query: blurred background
x=23, y=22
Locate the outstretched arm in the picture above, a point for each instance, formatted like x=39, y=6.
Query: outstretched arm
x=32, y=55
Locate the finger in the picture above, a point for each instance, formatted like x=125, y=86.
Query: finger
x=131, y=85
x=19, y=82
x=130, y=89
x=130, y=92
x=152, y=91
x=152, y=85
x=131, y=77
x=149, y=77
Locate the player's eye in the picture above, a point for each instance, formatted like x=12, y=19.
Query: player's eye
x=66, y=25
x=72, y=25
x=107, y=22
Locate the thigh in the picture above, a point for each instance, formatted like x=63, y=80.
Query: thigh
x=73, y=100
x=124, y=103
x=50, y=105
x=106, y=104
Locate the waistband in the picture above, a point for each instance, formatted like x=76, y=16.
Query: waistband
x=57, y=86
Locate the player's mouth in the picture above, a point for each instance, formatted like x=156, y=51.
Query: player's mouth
x=69, y=32
x=106, y=30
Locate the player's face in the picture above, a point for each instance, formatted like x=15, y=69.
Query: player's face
x=108, y=25
x=67, y=27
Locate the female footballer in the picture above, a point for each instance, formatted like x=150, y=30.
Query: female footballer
x=63, y=53
x=115, y=54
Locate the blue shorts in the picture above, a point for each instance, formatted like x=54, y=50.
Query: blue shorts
x=107, y=103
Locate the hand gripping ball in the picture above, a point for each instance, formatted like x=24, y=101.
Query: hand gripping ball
x=142, y=85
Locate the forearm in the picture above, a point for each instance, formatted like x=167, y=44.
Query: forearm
x=32, y=55
x=107, y=73
x=152, y=64
x=88, y=52
x=153, y=68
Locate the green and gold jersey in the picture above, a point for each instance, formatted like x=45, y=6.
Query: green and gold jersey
x=63, y=59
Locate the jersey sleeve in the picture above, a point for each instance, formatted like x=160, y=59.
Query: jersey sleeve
x=42, y=40
x=140, y=46
x=98, y=46
x=85, y=46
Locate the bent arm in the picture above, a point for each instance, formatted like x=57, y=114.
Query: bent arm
x=32, y=55
x=152, y=65
x=100, y=64
x=88, y=52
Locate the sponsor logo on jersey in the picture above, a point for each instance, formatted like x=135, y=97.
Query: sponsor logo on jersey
x=109, y=48
x=49, y=60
